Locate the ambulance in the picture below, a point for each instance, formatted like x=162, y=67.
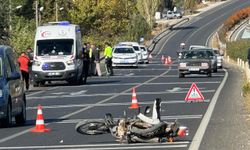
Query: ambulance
x=57, y=53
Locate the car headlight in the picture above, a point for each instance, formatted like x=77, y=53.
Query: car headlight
x=204, y=64
x=70, y=62
x=183, y=64
x=133, y=57
x=37, y=63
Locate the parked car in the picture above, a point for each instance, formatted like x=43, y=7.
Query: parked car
x=124, y=55
x=136, y=47
x=219, y=58
x=195, y=62
x=213, y=55
x=171, y=15
x=12, y=95
x=144, y=54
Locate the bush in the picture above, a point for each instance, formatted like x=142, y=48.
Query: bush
x=246, y=88
x=232, y=21
x=238, y=49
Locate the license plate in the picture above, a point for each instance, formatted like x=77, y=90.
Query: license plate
x=194, y=69
x=123, y=61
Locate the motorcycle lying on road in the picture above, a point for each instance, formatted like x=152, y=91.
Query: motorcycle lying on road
x=139, y=129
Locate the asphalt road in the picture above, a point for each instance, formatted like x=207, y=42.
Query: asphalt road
x=65, y=105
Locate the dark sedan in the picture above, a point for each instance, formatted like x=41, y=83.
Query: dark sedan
x=195, y=62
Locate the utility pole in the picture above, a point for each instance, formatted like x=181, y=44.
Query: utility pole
x=56, y=11
x=37, y=14
x=10, y=13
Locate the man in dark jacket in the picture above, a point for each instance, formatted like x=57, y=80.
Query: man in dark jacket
x=85, y=58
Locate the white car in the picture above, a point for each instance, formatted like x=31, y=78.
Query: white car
x=197, y=47
x=124, y=55
x=219, y=58
x=136, y=47
x=144, y=54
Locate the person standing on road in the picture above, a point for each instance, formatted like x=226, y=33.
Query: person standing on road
x=96, y=54
x=108, y=59
x=85, y=59
x=181, y=49
x=24, y=63
x=92, y=59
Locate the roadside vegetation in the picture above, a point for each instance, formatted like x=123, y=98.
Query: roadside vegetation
x=237, y=49
x=100, y=20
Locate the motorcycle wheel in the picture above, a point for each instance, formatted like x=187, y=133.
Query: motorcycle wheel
x=92, y=127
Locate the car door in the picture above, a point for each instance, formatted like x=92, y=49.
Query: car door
x=15, y=82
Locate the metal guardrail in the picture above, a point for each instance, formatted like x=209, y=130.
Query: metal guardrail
x=158, y=37
x=237, y=28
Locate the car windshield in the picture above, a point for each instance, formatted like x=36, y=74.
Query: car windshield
x=123, y=50
x=55, y=47
x=136, y=48
x=1, y=67
x=143, y=48
x=196, y=55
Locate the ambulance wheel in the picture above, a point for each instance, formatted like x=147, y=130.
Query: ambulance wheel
x=35, y=83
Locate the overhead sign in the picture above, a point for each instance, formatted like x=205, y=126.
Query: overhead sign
x=194, y=94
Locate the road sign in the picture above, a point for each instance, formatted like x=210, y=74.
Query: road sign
x=194, y=94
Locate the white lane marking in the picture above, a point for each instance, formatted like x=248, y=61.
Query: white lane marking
x=39, y=92
x=110, y=94
x=78, y=93
x=108, y=104
x=177, y=89
x=59, y=93
x=4, y=139
x=164, y=118
x=166, y=76
x=118, y=146
x=204, y=123
x=162, y=83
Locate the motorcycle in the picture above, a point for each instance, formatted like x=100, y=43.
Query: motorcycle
x=139, y=129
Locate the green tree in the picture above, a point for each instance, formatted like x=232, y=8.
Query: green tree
x=147, y=9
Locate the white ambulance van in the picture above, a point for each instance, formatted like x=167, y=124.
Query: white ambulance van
x=57, y=53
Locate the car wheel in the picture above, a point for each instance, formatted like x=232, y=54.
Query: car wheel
x=6, y=122
x=21, y=118
x=35, y=83
x=209, y=74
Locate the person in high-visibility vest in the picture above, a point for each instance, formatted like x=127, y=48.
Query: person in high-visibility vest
x=108, y=59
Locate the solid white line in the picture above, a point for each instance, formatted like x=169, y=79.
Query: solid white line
x=39, y=92
x=160, y=83
x=204, y=123
x=166, y=76
x=109, y=104
x=164, y=118
x=110, y=94
x=86, y=108
x=88, y=146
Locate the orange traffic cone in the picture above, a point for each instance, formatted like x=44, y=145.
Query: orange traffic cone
x=169, y=60
x=40, y=127
x=134, y=103
x=166, y=61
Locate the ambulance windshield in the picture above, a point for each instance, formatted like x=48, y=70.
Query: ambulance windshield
x=55, y=47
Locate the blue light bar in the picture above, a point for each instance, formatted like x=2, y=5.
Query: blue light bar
x=64, y=23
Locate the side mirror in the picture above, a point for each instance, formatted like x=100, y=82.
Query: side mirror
x=14, y=76
x=147, y=110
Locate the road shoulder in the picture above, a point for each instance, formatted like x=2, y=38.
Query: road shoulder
x=228, y=128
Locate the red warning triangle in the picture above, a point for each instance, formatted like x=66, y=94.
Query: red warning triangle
x=194, y=94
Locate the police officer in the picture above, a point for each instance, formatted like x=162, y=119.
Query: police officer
x=108, y=59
